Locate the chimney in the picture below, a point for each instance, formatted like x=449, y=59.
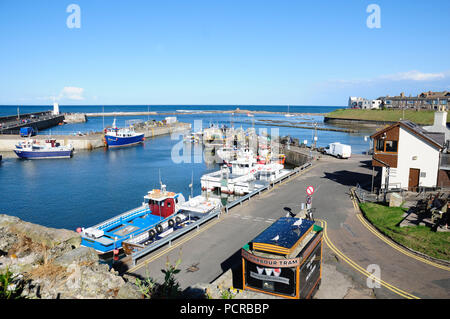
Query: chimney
x=440, y=118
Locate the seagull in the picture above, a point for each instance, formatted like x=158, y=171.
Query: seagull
x=276, y=237
x=298, y=222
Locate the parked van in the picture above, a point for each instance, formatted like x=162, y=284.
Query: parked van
x=27, y=131
x=339, y=150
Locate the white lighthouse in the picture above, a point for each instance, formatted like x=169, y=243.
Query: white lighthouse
x=55, y=108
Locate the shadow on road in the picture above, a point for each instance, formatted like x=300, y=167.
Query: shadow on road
x=349, y=178
x=234, y=262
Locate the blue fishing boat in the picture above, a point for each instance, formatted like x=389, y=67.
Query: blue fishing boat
x=158, y=214
x=118, y=137
x=32, y=149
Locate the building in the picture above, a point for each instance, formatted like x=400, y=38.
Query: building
x=362, y=103
x=412, y=157
x=426, y=100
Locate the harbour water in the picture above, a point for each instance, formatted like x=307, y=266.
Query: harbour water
x=96, y=185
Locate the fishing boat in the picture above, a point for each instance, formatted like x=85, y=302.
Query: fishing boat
x=158, y=213
x=226, y=154
x=32, y=149
x=118, y=137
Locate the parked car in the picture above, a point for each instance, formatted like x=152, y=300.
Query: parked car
x=339, y=150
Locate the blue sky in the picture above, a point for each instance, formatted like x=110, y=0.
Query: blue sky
x=220, y=52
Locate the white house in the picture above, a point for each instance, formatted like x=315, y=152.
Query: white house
x=409, y=156
x=362, y=103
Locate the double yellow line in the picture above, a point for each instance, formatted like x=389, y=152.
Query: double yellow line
x=360, y=269
x=404, y=251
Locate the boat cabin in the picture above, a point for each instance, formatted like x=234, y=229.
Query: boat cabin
x=161, y=202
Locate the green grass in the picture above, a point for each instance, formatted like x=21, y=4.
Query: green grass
x=418, y=238
x=419, y=117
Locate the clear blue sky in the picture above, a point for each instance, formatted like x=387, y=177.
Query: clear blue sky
x=220, y=52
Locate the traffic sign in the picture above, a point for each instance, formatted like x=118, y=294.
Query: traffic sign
x=310, y=190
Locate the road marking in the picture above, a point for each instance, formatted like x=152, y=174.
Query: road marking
x=360, y=269
x=404, y=251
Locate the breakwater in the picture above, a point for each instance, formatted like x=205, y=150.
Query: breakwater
x=93, y=140
x=38, y=121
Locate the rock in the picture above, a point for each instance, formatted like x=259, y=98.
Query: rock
x=50, y=263
x=49, y=237
x=129, y=291
x=395, y=200
x=80, y=255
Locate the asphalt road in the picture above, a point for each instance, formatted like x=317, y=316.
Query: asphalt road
x=216, y=247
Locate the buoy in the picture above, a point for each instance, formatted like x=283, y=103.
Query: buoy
x=115, y=251
x=79, y=230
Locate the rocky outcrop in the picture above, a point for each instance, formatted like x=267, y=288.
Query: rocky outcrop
x=50, y=263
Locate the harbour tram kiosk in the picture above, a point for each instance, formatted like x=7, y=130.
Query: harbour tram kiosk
x=285, y=259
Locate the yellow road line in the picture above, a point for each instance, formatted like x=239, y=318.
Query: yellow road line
x=375, y=231
x=355, y=266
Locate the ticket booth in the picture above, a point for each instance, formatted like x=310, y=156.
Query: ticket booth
x=285, y=259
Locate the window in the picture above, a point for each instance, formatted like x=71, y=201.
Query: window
x=380, y=145
x=391, y=146
x=387, y=146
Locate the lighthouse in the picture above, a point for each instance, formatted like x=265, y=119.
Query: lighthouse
x=55, y=108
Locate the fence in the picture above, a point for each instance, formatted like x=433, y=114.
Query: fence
x=215, y=214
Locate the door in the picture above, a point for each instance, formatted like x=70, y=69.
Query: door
x=413, y=182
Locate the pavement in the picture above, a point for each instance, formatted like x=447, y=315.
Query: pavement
x=351, y=251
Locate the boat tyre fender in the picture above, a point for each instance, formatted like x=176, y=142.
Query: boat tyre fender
x=178, y=219
x=171, y=223
x=151, y=233
x=159, y=229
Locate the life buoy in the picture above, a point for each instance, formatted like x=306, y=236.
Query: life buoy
x=159, y=229
x=171, y=222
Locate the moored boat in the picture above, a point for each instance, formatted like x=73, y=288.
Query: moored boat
x=118, y=137
x=32, y=149
x=158, y=212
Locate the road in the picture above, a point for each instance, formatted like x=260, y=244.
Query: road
x=351, y=246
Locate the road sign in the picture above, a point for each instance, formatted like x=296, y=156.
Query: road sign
x=310, y=190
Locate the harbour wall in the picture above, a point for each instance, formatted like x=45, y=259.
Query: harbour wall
x=41, y=123
x=90, y=141
x=355, y=121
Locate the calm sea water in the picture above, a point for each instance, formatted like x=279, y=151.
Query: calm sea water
x=96, y=185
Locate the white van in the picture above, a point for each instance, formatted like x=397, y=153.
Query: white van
x=339, y=150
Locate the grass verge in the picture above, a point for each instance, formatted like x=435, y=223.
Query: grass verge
x=419, y=117
x=418, y=238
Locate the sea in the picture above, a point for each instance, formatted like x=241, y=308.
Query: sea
x=96, y=185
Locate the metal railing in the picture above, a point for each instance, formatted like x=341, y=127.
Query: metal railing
x=216, y=213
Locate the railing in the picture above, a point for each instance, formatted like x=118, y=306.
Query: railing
x=216, y=213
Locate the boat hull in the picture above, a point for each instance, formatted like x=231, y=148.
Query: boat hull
x=117, y=141
x=43, y=154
